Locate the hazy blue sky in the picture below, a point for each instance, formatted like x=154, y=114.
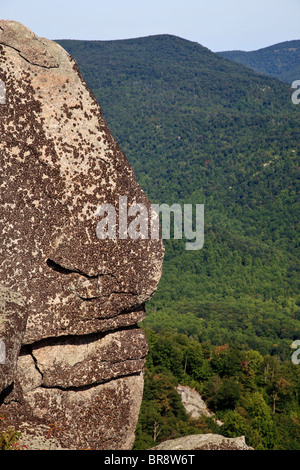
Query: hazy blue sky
x=216, y=24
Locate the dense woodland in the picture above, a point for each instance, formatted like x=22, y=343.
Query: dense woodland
x=198, y=128
x=253, y=395
x=281, y=60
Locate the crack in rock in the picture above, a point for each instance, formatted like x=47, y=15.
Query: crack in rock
x=61, y=269
x=82, y=388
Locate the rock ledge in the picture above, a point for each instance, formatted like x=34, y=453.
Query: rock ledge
x=204, y=442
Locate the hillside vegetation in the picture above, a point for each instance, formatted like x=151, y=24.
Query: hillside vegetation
x=281, y=60
x=198, y=128
x=252, y=395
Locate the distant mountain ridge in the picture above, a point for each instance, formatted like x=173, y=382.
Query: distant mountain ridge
x=280, y=60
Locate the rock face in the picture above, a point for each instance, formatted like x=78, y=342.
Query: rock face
x=69, y=301
x=194, y=404
x=204, y=442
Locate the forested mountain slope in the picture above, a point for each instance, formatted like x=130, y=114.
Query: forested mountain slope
x=198, y=128
x=281, y=60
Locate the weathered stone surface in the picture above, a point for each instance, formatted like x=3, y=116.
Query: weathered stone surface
x=12, y=327
x=68, y=300
x=193, y=403
x=204, y=442
x=83, y=360
x=97, y=417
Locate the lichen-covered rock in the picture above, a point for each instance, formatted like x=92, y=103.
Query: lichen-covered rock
x=12, y=328
x=204, y=442
x=69, y=301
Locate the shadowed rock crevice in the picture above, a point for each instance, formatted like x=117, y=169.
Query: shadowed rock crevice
x=75, y=339
x=60, y=269
x=5, y=393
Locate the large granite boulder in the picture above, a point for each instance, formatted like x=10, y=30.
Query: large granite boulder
x=70, y=302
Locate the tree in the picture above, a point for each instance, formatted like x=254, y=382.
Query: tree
x=234, y=425
x=227, y=395
x=222, y=394
x=260, y=416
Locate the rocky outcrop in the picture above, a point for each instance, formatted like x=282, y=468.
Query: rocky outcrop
x=193, y=403
x=204, y=442
x=70, y=302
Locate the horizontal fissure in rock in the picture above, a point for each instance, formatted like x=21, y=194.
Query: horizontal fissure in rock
x=62, y=270
x=82, y=388
x=74, y=339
